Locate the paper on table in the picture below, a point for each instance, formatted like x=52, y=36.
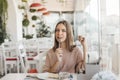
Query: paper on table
x=42, y=75
x=47, y=76
x=52, y=75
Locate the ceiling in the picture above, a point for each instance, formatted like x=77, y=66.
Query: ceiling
x=63, y=5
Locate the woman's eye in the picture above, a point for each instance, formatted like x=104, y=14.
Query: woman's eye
x=63, y=30
x=57, y=30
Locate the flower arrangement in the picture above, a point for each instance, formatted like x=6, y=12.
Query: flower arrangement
x=104, y=75
x=43, y=30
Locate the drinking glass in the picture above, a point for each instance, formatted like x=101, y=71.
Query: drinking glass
x=63, y=75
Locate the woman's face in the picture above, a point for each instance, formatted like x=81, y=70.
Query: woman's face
x=60, y=33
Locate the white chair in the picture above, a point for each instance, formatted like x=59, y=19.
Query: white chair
x=41, y=59
x=44, y=44
x=30, y=48
x=11, y=57
x=1, y=61
x=22, y=54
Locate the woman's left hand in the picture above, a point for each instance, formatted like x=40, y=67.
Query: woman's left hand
x=82, y=40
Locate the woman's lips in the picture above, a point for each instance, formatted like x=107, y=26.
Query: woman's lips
x=59, y=39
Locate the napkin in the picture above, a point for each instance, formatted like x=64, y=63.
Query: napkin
x=47, y=76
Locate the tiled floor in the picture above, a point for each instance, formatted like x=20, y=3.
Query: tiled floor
x=118, y=78
x=1, y=76
x=91, y=69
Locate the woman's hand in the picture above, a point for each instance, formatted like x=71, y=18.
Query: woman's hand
x=82, y=40
x=59, y=53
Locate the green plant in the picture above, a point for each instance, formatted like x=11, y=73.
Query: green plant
x=24, y=0
x=1, y=31
x=43, y=30
x=3, y=7
x=25, y=21
x=32, y=10
x=3, y=19
x=34, y=17
x=28, y=36
x=21, y=7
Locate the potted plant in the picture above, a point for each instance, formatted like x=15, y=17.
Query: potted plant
x=28, y=36
x=25, y=21
x=3, y=18
x=34, y=17
x=43, y=30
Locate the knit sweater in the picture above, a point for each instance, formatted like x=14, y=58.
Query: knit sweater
x=71, y=61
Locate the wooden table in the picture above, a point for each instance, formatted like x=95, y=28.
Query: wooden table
x=22, y=76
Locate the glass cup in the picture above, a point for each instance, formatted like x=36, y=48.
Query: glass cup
x=63, y=75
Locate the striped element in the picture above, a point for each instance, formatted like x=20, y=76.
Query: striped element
x=39, y=8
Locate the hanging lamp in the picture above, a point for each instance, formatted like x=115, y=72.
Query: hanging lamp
x=46, y=13
x=35, y=6
x=38, y=7
x=42, y=9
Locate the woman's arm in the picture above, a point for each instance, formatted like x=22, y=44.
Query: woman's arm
x=79, y=61
x=83, y=43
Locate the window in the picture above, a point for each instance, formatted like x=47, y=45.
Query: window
x=54, y=17
x=98, y=21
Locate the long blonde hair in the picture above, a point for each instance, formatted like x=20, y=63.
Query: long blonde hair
x=69, y=39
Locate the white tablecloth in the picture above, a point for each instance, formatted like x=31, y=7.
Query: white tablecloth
x=22, y=76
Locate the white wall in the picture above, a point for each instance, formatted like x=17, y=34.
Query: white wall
x=54, y=5
x=14, y=23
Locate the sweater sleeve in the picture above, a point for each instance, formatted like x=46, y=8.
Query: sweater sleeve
x=46, y=67
x=79, y=60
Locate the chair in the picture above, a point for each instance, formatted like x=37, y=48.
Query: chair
x=1, y=61
x=33, y=71
x=11, y=57
x=41, y=59
x=44, y=44
x=30, y=48
x=22, y=54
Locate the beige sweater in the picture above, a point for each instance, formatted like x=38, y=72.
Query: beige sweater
x=71, y=61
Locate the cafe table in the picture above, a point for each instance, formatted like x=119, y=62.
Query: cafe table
x=30, y=76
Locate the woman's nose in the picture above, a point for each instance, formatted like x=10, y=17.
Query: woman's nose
x=60, y=32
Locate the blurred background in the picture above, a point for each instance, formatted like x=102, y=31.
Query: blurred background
x=97, y=20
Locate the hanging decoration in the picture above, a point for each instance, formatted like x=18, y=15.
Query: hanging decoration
x=46, y=13
x=42, y=9
x=32, y=10
x=35, y=6
x=34, y=17
x=35, y=20
x=25, y=21
x=39, y=8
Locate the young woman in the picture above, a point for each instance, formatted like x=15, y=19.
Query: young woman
x=64, y=56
